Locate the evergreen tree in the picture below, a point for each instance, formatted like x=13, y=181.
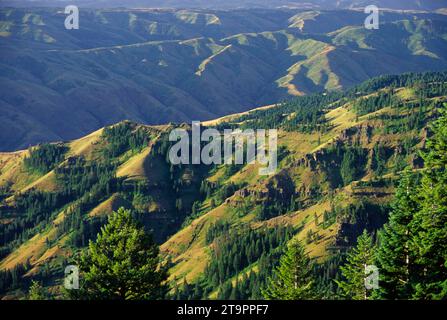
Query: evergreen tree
x=348, y=166
x=123, y=263
x=36, y=291
x=292, y=279
x=432, y=239
x=396, y=254
x=353, y=286
x=234, y=291
x=225, y=291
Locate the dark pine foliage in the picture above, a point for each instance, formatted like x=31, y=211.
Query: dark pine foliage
x=123, y=137
x=234, y=251
x=45, y=157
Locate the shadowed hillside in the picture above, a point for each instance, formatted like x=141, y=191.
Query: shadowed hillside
x=158, y=66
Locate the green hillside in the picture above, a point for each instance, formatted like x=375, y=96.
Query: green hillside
x=222, y=228
x=157, y=66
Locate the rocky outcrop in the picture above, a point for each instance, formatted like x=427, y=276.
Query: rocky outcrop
x=278, y=188
x=362, y=132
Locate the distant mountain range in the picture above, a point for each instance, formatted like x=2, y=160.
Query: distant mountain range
x=221, y=4
x=157, y=66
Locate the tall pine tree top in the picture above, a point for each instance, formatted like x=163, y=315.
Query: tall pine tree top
x=432, y=239
x=292, y=279
x=123, y=263
x=396, y=253
x=353, y=286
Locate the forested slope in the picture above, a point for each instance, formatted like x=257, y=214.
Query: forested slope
x=340, y=156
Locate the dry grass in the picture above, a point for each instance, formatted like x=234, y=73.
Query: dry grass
x=46, y=183
x=234, y=116
x=12, y=171
x=86, y=145
x=30, y=251
x=341, y=118
x=188, y=248
x=112, y=204
x=298, y=143
x=406, y=94
x=135, y=166
x=304, y=219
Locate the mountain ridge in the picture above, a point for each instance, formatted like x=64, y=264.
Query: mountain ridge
x=160, y=66
x=231, y=4
x=380, y=124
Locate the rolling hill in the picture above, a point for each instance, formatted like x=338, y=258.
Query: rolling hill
x=155, y=66
x=340, y=157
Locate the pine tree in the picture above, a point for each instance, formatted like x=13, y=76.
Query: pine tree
x=432, y=239
x=123, y=263
x=234, y=291
x=348, y=165
x=353, y=286
x=396, y=254
x=225, y=291
x=198, y=292
x=292, y=279
x=186, y=290
x=36, y=291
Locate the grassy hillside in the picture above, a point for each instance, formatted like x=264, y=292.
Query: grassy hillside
x=157, y=66
x=340, y=155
